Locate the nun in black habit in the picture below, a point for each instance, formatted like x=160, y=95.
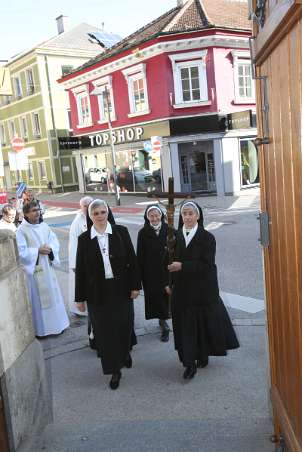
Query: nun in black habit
x=107, y=279
x=151, y=245
x=201, y=324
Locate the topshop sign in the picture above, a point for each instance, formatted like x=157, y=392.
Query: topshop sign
x=118, y=136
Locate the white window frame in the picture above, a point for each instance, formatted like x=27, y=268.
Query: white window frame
x=30, y=85
x=15, y=79
x=2, y=134
x=12, y=133
x=41, y=164
x=186, y=60
x=100, y=87
x=30, y=171
x=24, y=131
x=36, y=133
x=242, y=58
x=132, y=74
x=79, y=93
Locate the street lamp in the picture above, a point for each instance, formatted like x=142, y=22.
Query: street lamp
x=106, y=96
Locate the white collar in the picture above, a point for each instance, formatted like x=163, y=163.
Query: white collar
x=191, y=234
x=94, y=233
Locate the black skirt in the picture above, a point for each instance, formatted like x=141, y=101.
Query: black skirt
x=202, y=331
x=112, y=322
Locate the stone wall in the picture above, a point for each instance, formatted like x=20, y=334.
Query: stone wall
x=23, y=378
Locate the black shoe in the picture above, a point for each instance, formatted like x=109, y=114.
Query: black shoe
x=189, y=372
x=165, y=336
x=202, y=363
x=128, y=362
x=115, y=380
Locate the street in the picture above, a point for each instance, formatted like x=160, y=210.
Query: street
x=223, y=409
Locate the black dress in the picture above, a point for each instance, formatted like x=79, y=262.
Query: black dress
x=201, y=323
x=108, y=300
x=150, y=254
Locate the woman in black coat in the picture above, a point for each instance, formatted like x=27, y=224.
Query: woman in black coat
x=151, y=245
x=107, y=279
x=201, y=323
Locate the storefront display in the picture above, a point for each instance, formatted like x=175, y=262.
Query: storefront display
x=249, y=163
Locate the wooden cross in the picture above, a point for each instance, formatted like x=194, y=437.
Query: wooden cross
x=171, y=195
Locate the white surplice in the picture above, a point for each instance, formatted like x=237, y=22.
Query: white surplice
x=78, y=226
x=49, y=316
x=5, y=225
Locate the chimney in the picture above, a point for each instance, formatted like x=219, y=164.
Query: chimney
x=62, y=23
x=180, y=3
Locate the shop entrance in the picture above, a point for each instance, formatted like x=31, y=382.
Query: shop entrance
x=197, y=170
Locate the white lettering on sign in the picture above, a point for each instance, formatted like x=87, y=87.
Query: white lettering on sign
x=118, y=136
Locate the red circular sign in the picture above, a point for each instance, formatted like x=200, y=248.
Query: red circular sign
x=17, y=144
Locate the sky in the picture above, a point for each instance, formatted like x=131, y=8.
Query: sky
x=25, y=23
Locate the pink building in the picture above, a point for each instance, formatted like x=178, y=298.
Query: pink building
x=185, y=78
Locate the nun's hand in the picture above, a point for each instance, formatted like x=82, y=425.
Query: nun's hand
x=81, y=307
x=175, y=267
x=168, y=290
x=134, y=294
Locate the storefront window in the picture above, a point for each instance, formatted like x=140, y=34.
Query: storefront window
x=249, y=163
x=136, y=171
x=197, y=169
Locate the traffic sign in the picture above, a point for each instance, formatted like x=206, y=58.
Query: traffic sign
x=17, y=144
x=156, y=143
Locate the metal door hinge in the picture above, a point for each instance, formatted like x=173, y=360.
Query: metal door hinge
x=264, y=229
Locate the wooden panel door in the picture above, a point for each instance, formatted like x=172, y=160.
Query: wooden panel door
x=280, y=60
x=3, y=435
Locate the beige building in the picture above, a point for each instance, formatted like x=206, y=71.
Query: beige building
x=38, y=108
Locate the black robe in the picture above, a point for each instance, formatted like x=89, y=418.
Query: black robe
x=108, y=301
x=201, y=323
x=150, y=254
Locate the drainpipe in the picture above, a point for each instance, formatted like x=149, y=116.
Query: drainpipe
x=53, y=120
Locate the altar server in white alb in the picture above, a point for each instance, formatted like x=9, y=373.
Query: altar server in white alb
x=78, y=226
x=39, y=254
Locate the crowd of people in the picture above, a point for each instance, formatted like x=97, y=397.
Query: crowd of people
x=107, y=274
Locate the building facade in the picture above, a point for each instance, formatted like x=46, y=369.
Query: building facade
x=37, y=109
x=183, y=82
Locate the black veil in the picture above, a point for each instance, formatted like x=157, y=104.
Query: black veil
x=200, y=220
x=110, y=218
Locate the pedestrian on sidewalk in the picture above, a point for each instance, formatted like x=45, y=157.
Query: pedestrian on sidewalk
x=78, y=226
x=107, y=279
x=151, y=245
x=201, y=324
x=39, y=253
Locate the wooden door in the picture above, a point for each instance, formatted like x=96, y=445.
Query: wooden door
x=3, y=434
x=277, y=52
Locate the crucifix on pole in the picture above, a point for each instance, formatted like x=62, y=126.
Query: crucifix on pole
x=171, y=195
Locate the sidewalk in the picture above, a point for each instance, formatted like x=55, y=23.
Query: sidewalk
x=223, y=409
x=137, y=203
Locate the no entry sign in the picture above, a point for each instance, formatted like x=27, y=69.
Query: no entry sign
x=17, y=144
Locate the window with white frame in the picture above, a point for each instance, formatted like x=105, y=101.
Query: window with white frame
x=244, y=86
x=23, y=128
x=30, y=171
x=36, y=125
x=17, y=87
x=2, y=134
x=190, y=79
x=30, y=86
x=83, y=106
x=42, y=170
x=12, y=129
x=137, y=89
x=103, y=90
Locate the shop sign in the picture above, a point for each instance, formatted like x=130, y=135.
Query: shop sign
x=118, y=136
x=240, y=120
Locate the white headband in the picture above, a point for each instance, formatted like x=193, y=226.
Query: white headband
x=190, y=204
x=153, y=208
x=96, y=203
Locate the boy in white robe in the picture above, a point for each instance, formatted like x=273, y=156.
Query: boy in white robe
x=78, y=226
x=8, y=218
x=39, y=252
